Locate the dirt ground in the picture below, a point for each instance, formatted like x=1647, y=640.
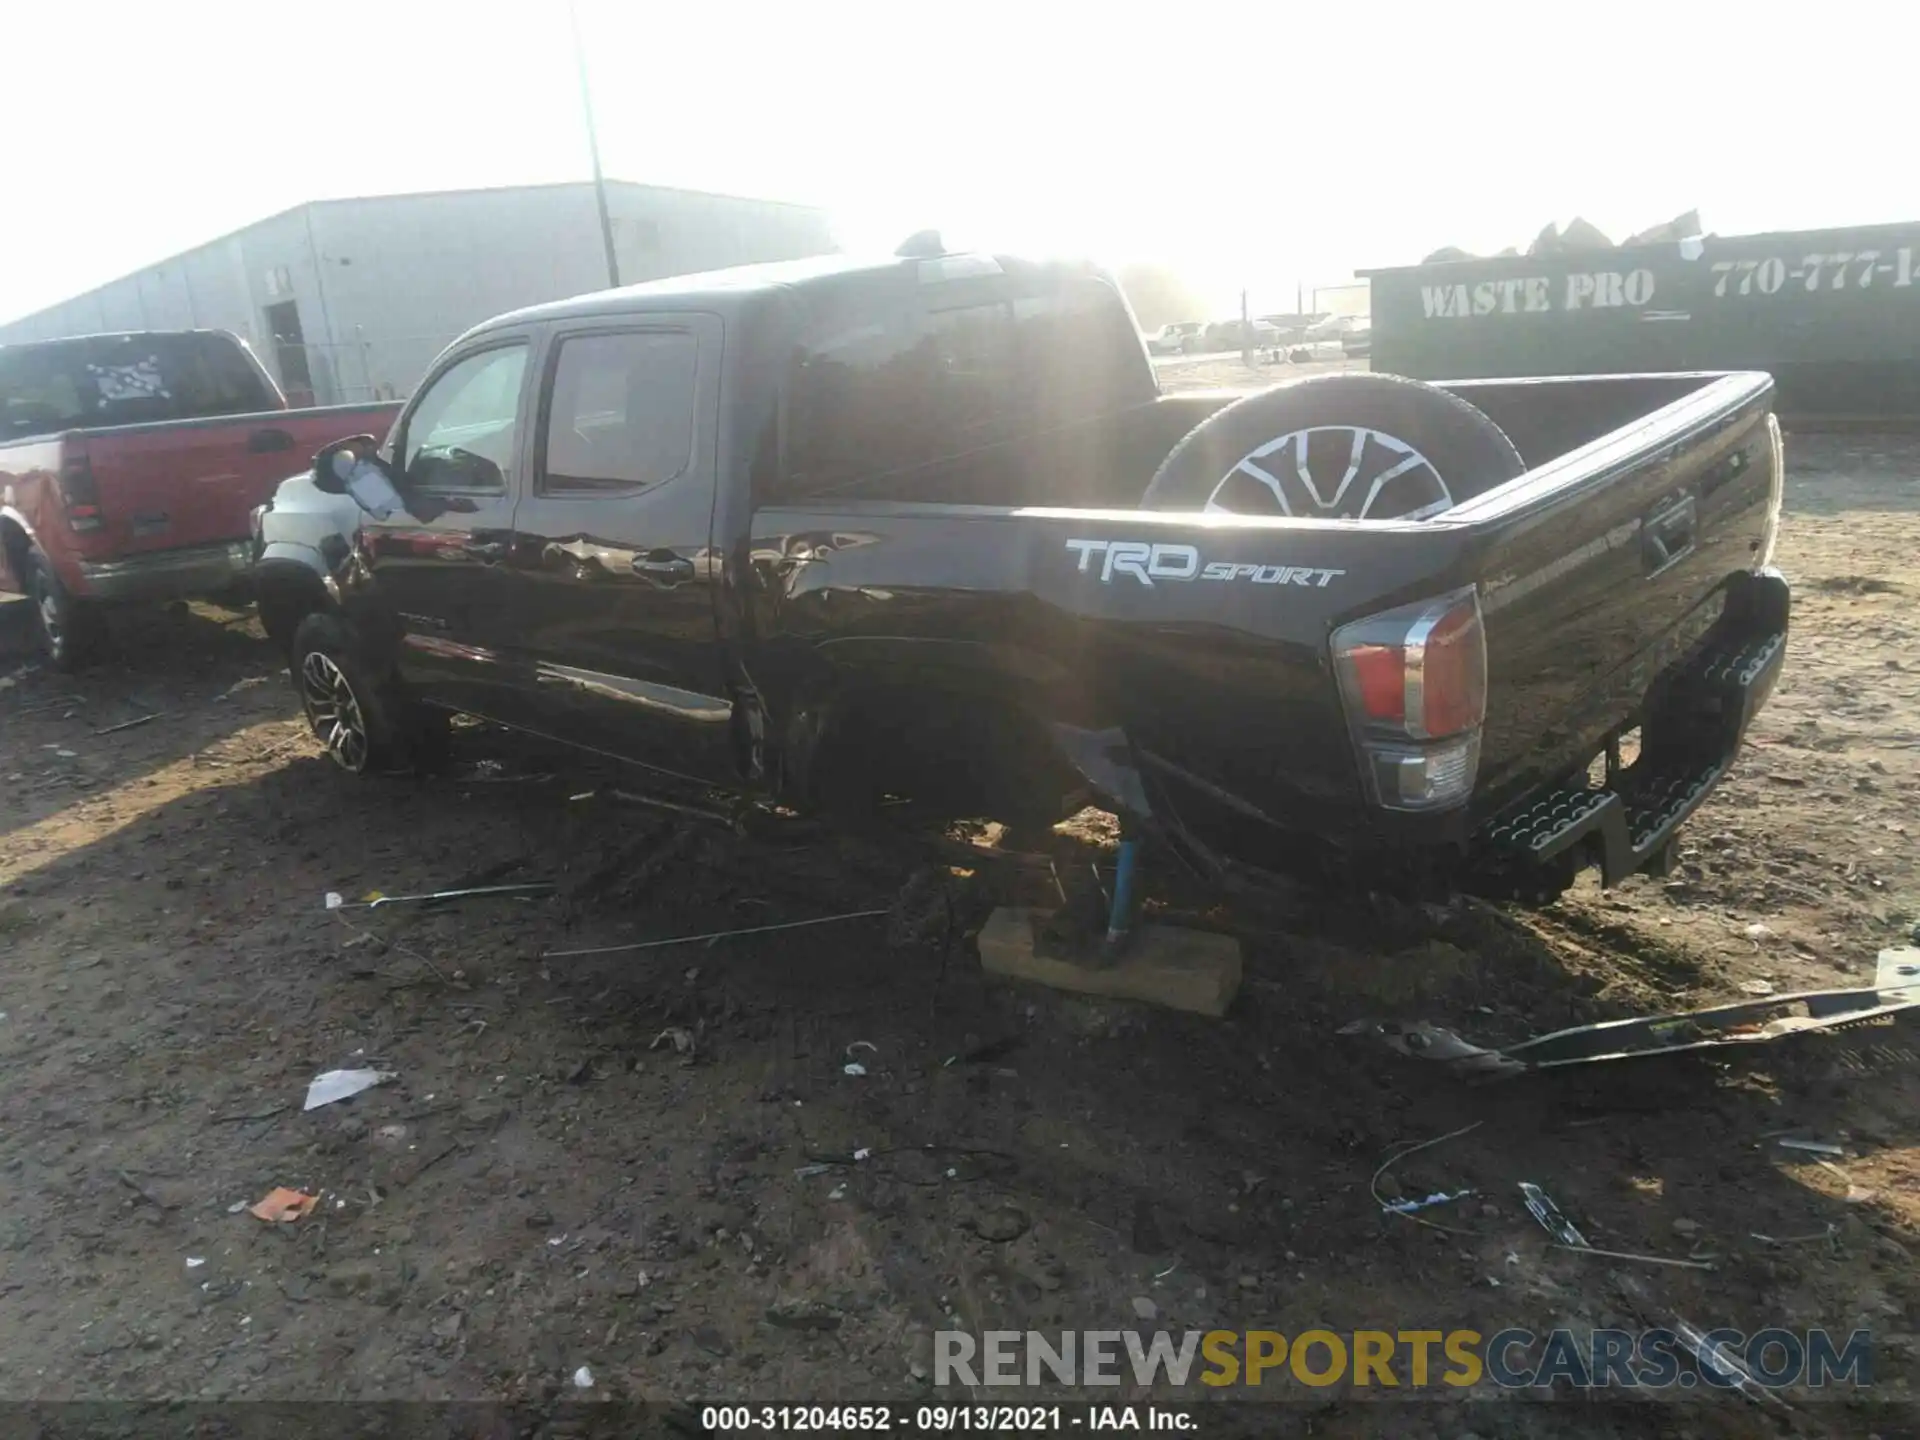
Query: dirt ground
x=645, y=1163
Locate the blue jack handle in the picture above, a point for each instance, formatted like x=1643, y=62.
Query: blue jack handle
x=1120, y=917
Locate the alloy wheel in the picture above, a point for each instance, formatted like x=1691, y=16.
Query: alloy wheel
x=1311, y=473
x=47, y=607
x=334, y=712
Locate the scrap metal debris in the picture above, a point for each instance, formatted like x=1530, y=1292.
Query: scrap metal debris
x=335, y=1085
x=1567, y=1235
x=711, y=813
x=1830, y=1235
x=1393, y=1159
x=1814, y=1147
x=1686, y=1263
x=133, y=724
x=1439, y=1197
x=715, y=935
x=1744, y=1022
x=1714, y=1356
x=1898, y=966
x=1431, y=1042
x=1540, y=1205
x=336, y=901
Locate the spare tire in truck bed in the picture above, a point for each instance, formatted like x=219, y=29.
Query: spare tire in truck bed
x=1347, y=447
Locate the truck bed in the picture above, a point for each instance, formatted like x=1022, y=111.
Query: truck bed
x=1224, y=686
x=1107, y=462
x=171, y=496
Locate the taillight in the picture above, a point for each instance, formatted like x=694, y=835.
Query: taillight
x=80, y=495
x=1414, y=680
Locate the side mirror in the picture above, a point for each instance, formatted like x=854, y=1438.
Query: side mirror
x=334, y=463
x=349, y=467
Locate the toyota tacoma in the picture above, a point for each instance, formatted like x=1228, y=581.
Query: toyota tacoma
x=924, y=527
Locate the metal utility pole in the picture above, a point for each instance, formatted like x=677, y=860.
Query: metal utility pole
x=593, y=149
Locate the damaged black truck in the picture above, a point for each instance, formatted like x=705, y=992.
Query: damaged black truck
x=925, y=528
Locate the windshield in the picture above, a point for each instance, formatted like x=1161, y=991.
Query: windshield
x=103, y=380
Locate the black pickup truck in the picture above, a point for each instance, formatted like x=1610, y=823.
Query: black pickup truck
x=925, y=527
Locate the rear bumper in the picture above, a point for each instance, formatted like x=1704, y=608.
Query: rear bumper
x=1692, y=719
x=1696, y=718
x=169, y=574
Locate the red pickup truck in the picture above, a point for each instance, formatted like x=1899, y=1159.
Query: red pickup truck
x=130, y=465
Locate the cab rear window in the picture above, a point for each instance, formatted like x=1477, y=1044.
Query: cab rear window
x=102, y=380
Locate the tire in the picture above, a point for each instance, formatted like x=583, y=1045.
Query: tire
x=354, y=709
x=69, y=631
x=1377, y=447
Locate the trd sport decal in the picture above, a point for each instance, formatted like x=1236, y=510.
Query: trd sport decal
x=1148, y=563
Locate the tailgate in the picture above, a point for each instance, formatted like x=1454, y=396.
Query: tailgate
x=194, y=482
x=1602, y=572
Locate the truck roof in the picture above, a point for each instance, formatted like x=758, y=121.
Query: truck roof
x=729, y=291
x=91, y=336
x=707, y=290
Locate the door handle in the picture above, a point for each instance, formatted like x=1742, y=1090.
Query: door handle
x=664, y=568
x=1669, y=535
x=265, y=442
x=486, y=551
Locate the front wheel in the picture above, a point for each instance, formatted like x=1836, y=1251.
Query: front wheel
x=352, y=706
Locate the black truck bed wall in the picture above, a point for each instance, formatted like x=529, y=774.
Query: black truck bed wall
x=1232, y=676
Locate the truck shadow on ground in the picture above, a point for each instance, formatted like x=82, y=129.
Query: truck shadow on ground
x=650, y=1162
x=173, y=688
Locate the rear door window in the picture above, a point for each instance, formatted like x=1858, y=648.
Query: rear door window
x=621, y=412
x=888, y=381
x=892, y=379
x=856, y=395
x=108, y=380
x=1077, y=354
x=972, y=362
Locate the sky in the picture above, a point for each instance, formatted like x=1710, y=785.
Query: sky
x=1256, y=145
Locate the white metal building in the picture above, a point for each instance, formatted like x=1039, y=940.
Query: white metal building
x=350, y=299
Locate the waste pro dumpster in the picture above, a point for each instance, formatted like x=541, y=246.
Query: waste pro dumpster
x=1834, y=315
